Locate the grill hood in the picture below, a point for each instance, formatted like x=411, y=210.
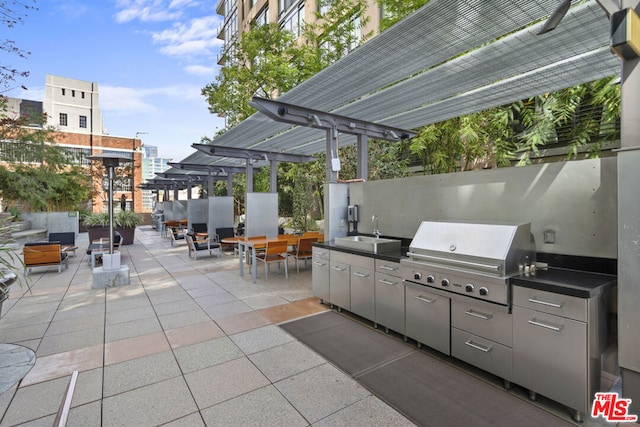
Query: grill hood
x=490, y=248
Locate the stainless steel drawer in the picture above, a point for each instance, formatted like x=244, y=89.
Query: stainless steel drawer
x=483, y=320
x=351, y=259
x=388, y=267
x=321, y=253
x=482, y=353
x=549, y=302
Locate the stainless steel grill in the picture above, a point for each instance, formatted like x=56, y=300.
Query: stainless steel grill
x=472, y=259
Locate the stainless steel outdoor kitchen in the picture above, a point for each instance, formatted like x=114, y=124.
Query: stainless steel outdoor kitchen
x=518, y=282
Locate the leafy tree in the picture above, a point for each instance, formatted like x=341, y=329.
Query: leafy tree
x=13, y=12
x=37, y=174
x=396, y=10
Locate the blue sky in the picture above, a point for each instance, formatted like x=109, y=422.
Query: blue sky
x=150, y=58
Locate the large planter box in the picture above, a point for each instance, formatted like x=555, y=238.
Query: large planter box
x=128, y=234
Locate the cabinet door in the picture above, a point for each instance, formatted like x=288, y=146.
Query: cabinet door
x=320, y=278
x=428, y=318
x=339, y=292
x=362, y=292
x=389, y=302
x=550, y=356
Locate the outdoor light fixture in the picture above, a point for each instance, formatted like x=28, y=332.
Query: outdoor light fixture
x=556, y=17
x=110, y=162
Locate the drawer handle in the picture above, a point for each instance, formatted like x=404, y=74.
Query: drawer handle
x=384, y=267
x=547, y=303
x=478, y=346
x=339, y=269
x=545, y=325
x=321, y=264
x=425, y=299
x=386, y=282
x=357, y=274
x=478, y=315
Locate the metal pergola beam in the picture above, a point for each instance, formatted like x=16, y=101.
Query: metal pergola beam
x=256, y=155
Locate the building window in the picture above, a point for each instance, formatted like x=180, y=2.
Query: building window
x=82, y=94
x=83, y=122
x=263, y=17
x=293, y=20
x=63, y=119
x=63, y=91
x=73, y=93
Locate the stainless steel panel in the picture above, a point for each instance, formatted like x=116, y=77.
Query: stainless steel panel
x=550, y=357
x=628, y=265
x=362, y=287
x=389, y=305
x=261, y=214
x=577, y=199
x=428, y=317
x=320, y=274
x=336, y=200
x=482, y=353
x=552, y=303
x=388, y=267
x=339, y=290
x=482, y=319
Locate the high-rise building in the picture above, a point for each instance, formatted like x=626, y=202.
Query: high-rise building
x=151, y=165
x=239, y=16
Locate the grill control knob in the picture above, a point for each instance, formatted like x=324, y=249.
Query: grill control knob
x=431, y=279
x=445, y=282
x=483, y=291
x=469, y=287
x=417, y=276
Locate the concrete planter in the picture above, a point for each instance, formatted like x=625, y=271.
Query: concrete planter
x=20, y=226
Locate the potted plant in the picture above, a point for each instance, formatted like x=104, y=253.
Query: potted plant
x=124, y=222
x=97, y=225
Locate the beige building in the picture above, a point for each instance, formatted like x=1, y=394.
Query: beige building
x=290, y=14
x=73, y=110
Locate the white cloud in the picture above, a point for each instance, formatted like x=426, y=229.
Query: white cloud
x=124, y=100
x=201, y=70
x=198, y=37
x=146, y=11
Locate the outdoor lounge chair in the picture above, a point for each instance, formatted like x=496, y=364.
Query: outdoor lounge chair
x=195, y=246
x=67, y=241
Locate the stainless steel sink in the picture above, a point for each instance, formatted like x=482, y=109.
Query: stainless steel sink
x=368, y=244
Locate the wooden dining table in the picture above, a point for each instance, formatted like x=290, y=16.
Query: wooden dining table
x=246, y=244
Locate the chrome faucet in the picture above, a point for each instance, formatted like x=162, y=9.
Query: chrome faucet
x=376, y=232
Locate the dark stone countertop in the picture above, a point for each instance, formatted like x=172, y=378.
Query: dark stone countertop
x=581, y=284
x=565, y=281
x=394, y=256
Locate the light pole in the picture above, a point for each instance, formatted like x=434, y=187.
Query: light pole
x=110, y=162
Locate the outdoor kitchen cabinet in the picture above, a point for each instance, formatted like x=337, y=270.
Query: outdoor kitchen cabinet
x=339, y=289
x=551, y=347
x=389, y=300
x=428, y=317
x=320, y=273
x=362, y=286
x=482, y=335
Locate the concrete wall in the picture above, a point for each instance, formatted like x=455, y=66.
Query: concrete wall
x=577, y=200
x=54, y=222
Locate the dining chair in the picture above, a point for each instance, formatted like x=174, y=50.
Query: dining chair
x=275, y=251
x=303, y=250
